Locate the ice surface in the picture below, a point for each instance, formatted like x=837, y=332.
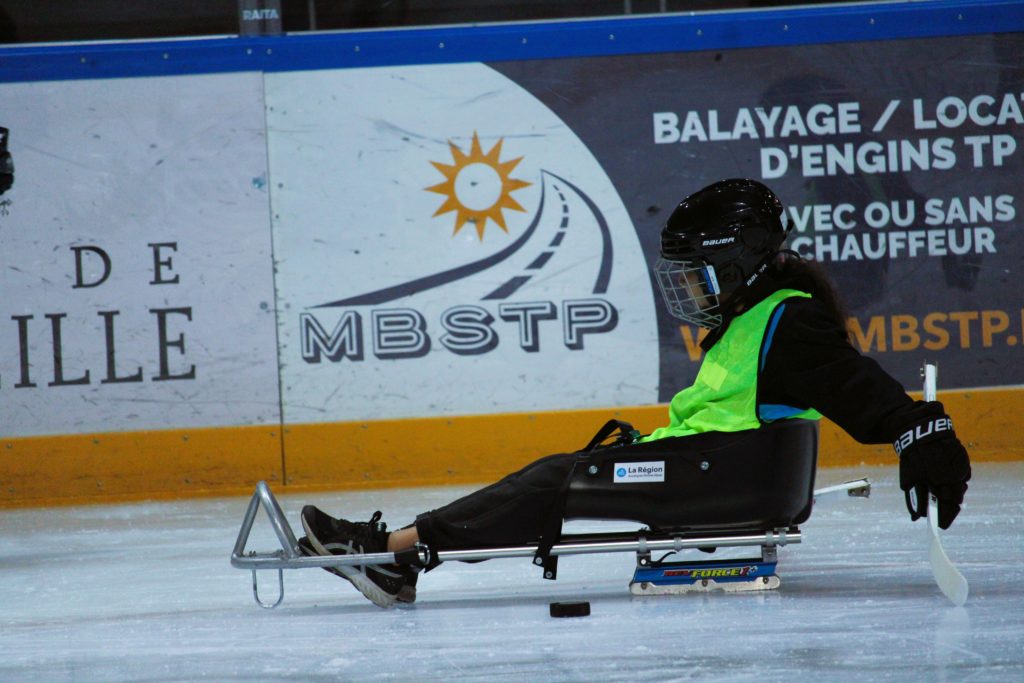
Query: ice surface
x=145, y=592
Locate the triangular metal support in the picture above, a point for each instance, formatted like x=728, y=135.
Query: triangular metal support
x=289, y=545
x=290, y=555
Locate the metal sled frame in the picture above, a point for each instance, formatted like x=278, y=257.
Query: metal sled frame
x=642, y=542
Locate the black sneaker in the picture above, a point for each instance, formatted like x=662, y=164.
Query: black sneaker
x=329, y=536
x=307, y=548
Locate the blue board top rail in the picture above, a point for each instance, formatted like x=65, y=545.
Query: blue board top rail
x=515, y=41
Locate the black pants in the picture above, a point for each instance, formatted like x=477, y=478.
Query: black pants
x=515, y=510
x=509, y=512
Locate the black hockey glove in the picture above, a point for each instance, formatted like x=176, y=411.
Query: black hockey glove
x=933, y=459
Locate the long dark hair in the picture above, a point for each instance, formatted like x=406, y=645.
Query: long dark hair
x=811, y=276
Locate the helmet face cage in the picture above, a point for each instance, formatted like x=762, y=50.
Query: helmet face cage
x=690, y=289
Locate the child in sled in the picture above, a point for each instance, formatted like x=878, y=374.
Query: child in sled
x=776, y=349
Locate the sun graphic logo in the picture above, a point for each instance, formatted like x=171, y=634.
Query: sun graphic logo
x=478, y=186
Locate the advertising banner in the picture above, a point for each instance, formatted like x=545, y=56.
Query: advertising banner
x=136, y=289
x=901, y=164
x=335, y=247
x=476, y=238
x=445, y=244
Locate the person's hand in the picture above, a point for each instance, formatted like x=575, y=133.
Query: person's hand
x=933, y=459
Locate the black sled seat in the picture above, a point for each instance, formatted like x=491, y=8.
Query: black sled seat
x=755, y=479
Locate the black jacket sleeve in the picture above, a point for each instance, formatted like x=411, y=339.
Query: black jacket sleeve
x=810, y=363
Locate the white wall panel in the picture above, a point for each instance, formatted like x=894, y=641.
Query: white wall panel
x=118, y=166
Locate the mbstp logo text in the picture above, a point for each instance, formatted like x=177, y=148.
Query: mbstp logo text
x=465, y=330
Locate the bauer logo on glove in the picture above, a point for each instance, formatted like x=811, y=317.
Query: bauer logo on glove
x=922, y=431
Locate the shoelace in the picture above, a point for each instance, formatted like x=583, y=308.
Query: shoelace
x=364, y=531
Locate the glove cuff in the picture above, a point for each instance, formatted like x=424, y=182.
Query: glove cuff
x=929, y=429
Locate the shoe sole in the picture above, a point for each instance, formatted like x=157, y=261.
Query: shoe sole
x=364, y=584
x=406, y=594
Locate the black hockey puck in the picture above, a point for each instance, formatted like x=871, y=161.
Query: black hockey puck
x=570, y=609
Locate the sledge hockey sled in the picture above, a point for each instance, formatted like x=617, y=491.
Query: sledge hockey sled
x=746, y=489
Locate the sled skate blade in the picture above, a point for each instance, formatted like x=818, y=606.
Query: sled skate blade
x=703, y=577
x=764, y=583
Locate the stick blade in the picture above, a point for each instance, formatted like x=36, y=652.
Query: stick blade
x=949, y=579
x=951, y=582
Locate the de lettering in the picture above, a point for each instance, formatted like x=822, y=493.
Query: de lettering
x=93, y=266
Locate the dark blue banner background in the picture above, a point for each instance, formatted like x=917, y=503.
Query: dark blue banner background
x=960, y=310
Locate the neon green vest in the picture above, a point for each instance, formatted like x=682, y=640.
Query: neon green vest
x=723, y=397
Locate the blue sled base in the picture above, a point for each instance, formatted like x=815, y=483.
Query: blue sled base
x=731, y=576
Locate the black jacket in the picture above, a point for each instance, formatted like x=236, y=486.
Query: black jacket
x=811, y=364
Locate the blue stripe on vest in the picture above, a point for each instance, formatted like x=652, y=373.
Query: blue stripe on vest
x=770, y=411
x=773, y=411
x=776, y=315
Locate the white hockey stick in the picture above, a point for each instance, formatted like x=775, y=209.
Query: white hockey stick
x=950, y=581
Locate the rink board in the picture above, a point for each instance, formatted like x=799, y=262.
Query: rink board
x=388, y=258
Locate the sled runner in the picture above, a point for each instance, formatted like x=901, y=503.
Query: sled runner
x=744, y=489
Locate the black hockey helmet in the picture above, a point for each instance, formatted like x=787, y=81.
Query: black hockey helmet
x=715, y=242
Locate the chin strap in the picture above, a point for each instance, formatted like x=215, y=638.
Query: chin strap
x=748, y=292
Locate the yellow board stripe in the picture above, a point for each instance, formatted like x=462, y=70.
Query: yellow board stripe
x=126, y=466
x=122, y=466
